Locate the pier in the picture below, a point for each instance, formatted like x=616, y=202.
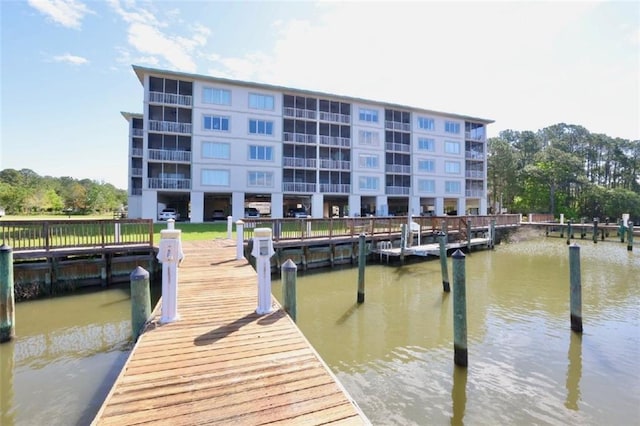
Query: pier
x=221, y=362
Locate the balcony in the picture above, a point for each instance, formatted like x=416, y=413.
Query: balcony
x=474, y=155
x=302, y=163
x=169, y=155
x=136, y=191
x=137, y=132
x=136, y=171
x=335, y=164
x=474, y=136
x=298, y=187
x=398, y=190
x=398, y=147
x=398, y=168
x=136, y=152
x=170, y=98
x=299, y=138
x=169, y=127
x=299, y=113
x=394, y=125
x=335, y=141
x=475, y=193
x=336, y=188
x=169, y=183
x=335, y=117
x=475, y=174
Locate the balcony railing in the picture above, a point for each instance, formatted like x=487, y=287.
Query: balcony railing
x=340, y=188
x=299, y=137
x=474, y=136
x=394, y=125
x=398, y=190
x=136, y=191
x=398, y=168
x=136, y=152
x=334, y=117
x=299, y=113
x=474, y=155
x=169, y=126
x=170, y=98
x=137, y=132
x=169, y=155
x=477, y=174
x=169, y=183
x=475, y=193
x=335, y=141
x=308, y=163
x=136, y=171
x=400, y=147
x=335, y=164
x=298, y=187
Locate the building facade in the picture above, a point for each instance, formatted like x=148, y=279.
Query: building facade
x=211, y=147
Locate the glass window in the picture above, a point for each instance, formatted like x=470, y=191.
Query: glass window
x=451, y=127
x=426, y=123
x=217, y=150
x=427, y=166
x=216, y=122
x=258, y=152
x=262, y=179
x=368, y=183
x=452, y=167
x=370, y=115
x=212, y=95
x=257, y=101
x=426, y=185
x=366, y=137
x=260, y=127
x=451, y=147
x=368, y=161
x=452, y=187
x=426, y=144
x=215, y=177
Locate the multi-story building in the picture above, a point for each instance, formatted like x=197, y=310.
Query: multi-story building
x=209, y=147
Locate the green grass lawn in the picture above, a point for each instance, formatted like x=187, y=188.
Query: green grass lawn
x=194, y=231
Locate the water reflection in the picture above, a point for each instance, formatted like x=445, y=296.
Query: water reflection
x=459, y=395
x=574, y=372
x=6, y=380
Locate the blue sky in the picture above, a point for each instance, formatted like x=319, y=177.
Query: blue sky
x=66, y=64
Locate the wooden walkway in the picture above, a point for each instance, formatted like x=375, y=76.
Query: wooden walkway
x=221, y=363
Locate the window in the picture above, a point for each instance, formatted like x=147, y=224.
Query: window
x=452, y=167
x=368, y=183
x=370, y=115
x=262, y=179
x=425, y=144
x=368, y=161
x=426, y=123
x=451, y=147
x=216, y=123
x=257, y=101
x=218, y=150
x=451, y=127
x=452, y=187
x=257, y=152
x=427, y=166
x=260, y=127
x=215, y=177
x=212, y=95
x=426, y=185
x=366, y=137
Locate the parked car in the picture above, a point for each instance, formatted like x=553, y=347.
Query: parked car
x=298, y=212
x=218, y=215
x=167, y=214
x=251, y=212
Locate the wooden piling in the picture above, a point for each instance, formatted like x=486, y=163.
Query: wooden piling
x=140, y=300
x=289, y=278
x=630, y=236
x=362, y=259
x=459, y=310
x=569, y=231
x=575, y=288
x=492, y=233
x=7, y=299
x=403, y=241
x=468, y=235
x=621, y=231
x=595, y=230
x=442, y=238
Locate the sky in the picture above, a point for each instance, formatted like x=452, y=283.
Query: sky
x=66, y=64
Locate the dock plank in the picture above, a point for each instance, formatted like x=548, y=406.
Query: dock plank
x=221, y=362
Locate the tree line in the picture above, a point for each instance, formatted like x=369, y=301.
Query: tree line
x=564, y=169
x=26, y=192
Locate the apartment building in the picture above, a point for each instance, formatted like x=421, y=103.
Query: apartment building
x=210, y=147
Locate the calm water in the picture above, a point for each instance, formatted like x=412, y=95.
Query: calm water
x=394, y=353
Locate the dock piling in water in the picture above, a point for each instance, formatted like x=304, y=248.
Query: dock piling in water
x=595, y=230
x=569, y=231
x=492, y=233
x=468, y=235
x=575, y=288
x=621, y=230
x=7, y=299
x=459, y=310
x=362, y=260
x=140, y=300
x=289, y=278
x=442, y=238
x=630, y=236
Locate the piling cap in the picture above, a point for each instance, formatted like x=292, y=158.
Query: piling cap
x=458, y=254
x=170, y=233
x=289, y=265
x=139, y=273
x=262, y=232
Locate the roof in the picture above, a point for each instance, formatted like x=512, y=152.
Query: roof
x=131, y=115
x=142, y=71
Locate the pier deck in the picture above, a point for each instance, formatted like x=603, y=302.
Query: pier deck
x=427, y=249
x=221, y=362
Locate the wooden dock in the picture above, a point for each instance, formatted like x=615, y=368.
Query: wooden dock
x=425, y=249
x=221, y=363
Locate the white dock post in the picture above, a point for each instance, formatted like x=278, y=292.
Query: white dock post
x=170, y=255
x=262, y=251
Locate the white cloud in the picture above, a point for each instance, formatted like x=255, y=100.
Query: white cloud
x=68, y=13
x=71, y=59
